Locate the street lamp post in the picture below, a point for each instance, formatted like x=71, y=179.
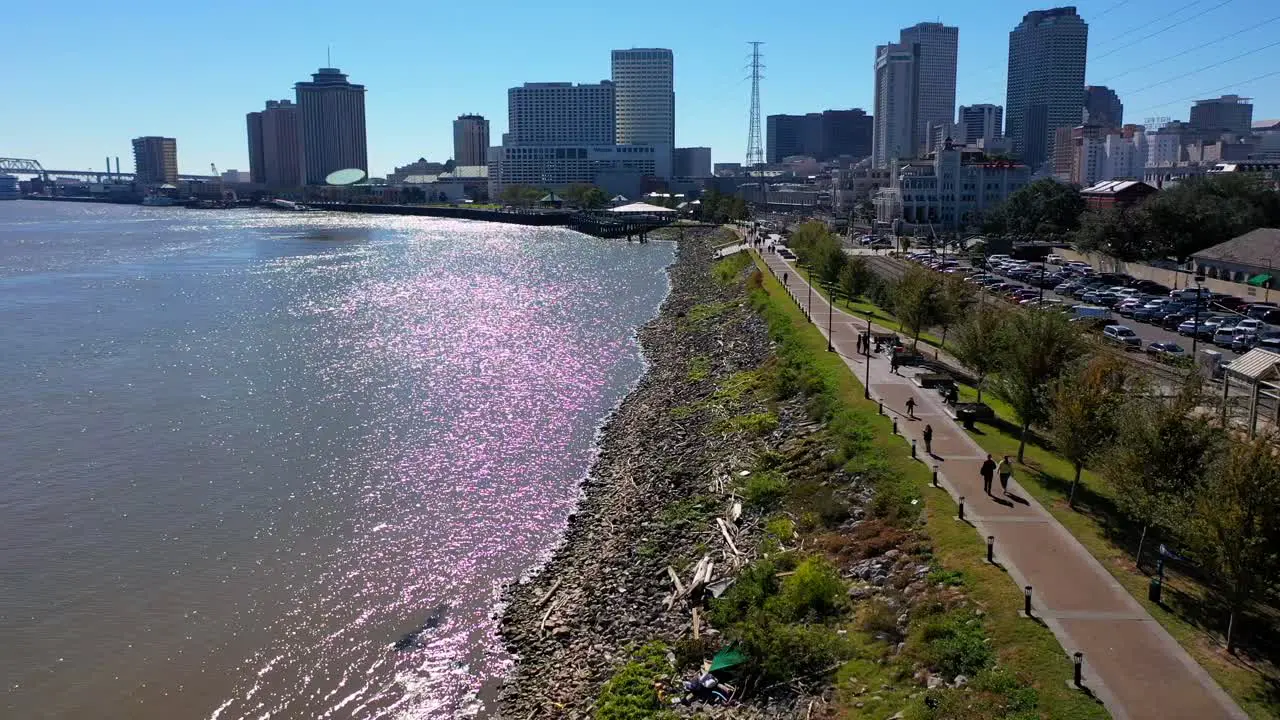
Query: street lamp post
x=1042, y=281
x=831, y=304
x=808, y=303
x=866, y=385
x=1195, y=322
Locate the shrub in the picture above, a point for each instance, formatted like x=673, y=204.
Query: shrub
x=752, y=424
x=726, y=271
x=813, y=592
x=876, y=616
x=780, y=651
x=755, y=584
x=946, y=577
x=955, y=645
x=699, y=368
x=764, y=490
x=630, y=693
x=690, y=653
x=781, y=528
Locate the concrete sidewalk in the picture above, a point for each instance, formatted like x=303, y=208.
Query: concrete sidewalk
x=1130, y=662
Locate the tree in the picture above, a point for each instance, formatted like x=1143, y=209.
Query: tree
x=1162, y=448
x=586, y=196
x=1082, y=411
x=866, y=209
x=521, y=195
x=1036, y=347
x=1119, y=232
x=1235, y=523
x=977, y=342
x=917, y=301
x=1044, y=207
x=957, y=297
x=855, y=278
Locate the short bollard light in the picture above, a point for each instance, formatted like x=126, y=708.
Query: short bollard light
x=1026, y=600
x=881, y=410
x=961, y=507
x=913, y=449
x=991, y=548
x=895, y=426
x=935, y=476
x=1078, y=661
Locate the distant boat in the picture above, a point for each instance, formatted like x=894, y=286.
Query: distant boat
x=158, y=201
x=280, y=204
x=9, y=188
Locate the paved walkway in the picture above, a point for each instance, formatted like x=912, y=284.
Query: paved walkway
x=1130, y=662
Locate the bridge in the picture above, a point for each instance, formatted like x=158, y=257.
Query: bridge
x=29, y=167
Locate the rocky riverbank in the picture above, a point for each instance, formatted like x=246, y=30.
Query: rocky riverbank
x=662, y=477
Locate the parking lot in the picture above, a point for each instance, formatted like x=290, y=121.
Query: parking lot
x=1036, y=282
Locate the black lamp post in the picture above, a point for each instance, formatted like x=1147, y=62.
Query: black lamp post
x=1195, y=322
x=808, y=302
x=831, y=305
x=866, y=385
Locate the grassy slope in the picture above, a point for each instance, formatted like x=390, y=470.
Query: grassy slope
x=1024, y=646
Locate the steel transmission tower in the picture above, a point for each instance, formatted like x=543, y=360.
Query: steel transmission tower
x=755, y=144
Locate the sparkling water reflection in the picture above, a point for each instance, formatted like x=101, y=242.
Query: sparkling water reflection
x=246, y=453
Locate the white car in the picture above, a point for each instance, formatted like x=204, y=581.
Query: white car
x=1122, y=335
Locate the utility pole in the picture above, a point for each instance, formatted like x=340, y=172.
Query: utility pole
x=755, y=146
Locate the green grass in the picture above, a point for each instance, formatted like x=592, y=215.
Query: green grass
x=1025, y=646
x=1098, y=527
x=863, y=307
x=699, y=368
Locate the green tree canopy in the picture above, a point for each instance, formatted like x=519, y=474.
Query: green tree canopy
x=978, y=339
x=585, y=195
x=522, y=195
x=1082, y=411
x=917, y=301
x=1161, y=451
x=1038, y=345
x=1235, y=523
x=1043, y=207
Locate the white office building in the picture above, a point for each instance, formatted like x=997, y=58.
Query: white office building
x=645, y=99
x=896, y=133
x=1163, y=149
x=618, y=169
x=936, y=101
x=560, y=113
x=949, y=191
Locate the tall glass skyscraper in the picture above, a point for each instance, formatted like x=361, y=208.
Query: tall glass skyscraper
x=1046, y=80
x=939, y=45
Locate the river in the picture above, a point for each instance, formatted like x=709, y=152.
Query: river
x=246, y=454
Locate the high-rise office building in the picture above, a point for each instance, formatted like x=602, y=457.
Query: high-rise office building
x=257, y=161
x=788, y=135
x=275, y=149
x=979, y=122
x=560, y=113
x=692, y=162
x=155, y=159
x=470, y=140
x=846, y=133
x=1046, y=73
x=331, y=125
x=645, y=98
x=897, y=93
x=939, y=45
x=822, y=136
x=1102, y=107
x=1229, y=113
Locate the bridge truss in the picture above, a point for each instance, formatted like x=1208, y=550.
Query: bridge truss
x=22, y=166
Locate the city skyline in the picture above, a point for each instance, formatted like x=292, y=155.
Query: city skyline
x=411, y=110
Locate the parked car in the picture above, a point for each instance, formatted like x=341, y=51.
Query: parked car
x=1174, y=320
x=1230, y=303
x=1224, y=334
x=1082, y=312
x=1244, y=341
x=1258, y=310
x=1167, y=349
x=1189, y=327
x=1122, y=335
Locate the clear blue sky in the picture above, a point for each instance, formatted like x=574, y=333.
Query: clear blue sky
x=83, y=77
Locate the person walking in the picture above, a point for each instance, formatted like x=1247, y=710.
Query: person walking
x=928, y=438
x=988, y=472
x=784, y=279
x=911, y=408
x=893, y=362
x=1006, y=472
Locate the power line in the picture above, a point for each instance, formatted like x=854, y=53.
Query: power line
x=1206, y=67
x=1161, y=32
x=1124, y=35
x=1204, y=93
x=1111, y=7
x=1183, y=53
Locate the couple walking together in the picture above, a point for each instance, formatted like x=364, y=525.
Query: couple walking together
x=990, y=470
